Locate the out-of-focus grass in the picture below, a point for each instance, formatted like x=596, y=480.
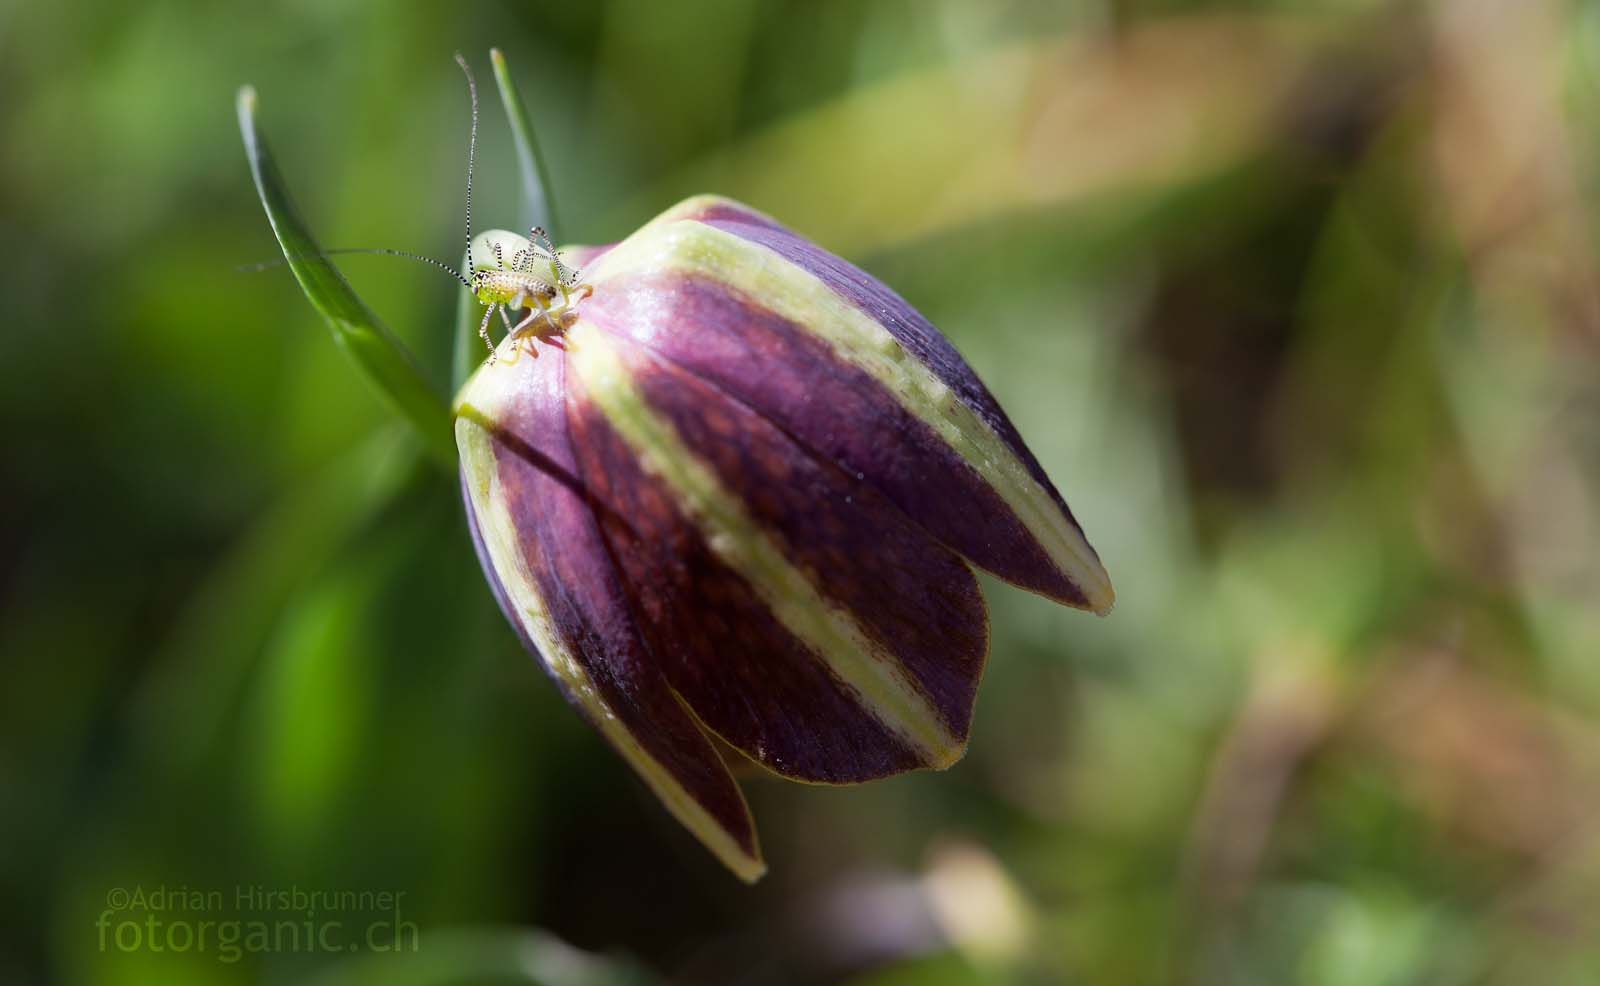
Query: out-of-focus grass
x=1297, y=302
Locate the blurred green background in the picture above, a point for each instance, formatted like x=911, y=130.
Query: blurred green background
x=1297, y=302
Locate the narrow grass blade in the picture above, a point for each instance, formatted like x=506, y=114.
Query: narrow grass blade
x=538, y=202
x=357, y=330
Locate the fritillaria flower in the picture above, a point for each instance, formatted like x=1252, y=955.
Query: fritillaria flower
x=737, y=497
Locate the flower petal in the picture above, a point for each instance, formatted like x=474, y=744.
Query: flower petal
x=845, y=366
x=536, y=533
x=801, y=615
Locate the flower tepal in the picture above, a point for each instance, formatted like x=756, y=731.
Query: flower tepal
x=738, y=498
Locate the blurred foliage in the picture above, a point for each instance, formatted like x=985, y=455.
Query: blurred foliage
x=1296, y=301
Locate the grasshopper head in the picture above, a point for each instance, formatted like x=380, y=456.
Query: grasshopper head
x=483, y=287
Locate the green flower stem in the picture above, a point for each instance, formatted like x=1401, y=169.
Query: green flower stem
x=466, y=351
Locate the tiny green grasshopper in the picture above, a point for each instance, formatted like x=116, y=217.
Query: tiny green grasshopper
x=536, y=279
x=533, y=279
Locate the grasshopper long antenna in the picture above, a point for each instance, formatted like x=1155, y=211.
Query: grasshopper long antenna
x=280, y=261
x=472, y=150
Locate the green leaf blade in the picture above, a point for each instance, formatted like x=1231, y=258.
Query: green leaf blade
x=538, y=199
x=356, y=329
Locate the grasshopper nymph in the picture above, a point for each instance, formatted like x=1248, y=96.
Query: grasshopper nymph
x=535, y=279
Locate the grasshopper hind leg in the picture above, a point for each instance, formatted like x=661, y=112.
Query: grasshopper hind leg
x=517, y=345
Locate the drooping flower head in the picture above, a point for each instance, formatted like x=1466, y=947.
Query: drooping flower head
x=737, y=497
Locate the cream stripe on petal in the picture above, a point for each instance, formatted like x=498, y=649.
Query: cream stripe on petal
x=884, y=688
x=795, y=294
x=500, y=538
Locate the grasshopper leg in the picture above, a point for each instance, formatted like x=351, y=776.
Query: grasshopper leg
x=483, y=330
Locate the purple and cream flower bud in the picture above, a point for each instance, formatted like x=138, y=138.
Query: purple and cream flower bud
x=738, y=497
